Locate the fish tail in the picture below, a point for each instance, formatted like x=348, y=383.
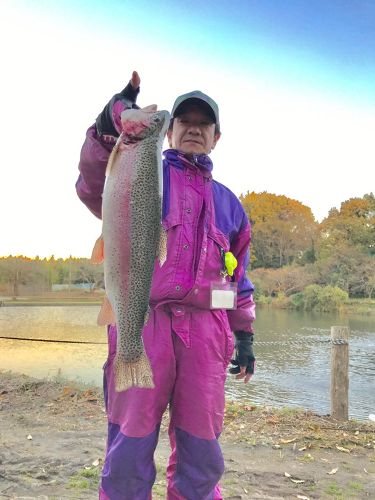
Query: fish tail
x=136, y=374
x=162, y=247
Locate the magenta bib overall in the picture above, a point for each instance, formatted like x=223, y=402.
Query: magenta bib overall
x=188, y=344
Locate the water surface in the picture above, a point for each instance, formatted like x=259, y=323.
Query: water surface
x=293, y=375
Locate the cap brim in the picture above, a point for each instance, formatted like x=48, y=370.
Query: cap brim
x=194, y=101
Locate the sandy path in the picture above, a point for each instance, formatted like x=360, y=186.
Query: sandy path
x=68, y=428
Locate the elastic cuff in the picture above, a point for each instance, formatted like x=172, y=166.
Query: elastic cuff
x=242, y=335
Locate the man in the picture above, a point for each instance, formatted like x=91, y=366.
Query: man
x=194, y=308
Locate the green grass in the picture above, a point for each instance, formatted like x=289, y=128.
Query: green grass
x=355, y=486
x=160, y=469
x=287, y=411
x=85, y=479
x=158, y=491
x=335, y=491
x=306, y=458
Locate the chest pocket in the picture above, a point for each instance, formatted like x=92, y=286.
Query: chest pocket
x=217, y=242
x=173, y=228
x=164, y=277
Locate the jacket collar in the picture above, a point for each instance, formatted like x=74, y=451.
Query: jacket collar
x=180, y=160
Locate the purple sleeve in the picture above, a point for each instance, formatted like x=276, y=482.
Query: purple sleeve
x=93, y=162
x=117, y=109
x=92, y=166
x=242, y=317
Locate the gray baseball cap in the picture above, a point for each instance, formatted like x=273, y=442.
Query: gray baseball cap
x=196, y=95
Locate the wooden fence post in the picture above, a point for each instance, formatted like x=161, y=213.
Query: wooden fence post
x=340, y=373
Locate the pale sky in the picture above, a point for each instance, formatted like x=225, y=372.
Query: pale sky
x=294, y=80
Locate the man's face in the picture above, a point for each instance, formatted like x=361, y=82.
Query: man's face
x=193, y=132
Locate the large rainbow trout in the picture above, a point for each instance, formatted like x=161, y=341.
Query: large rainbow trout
x=132, y=238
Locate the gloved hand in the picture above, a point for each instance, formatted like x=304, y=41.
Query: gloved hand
x=244, y=361
x=128, y=95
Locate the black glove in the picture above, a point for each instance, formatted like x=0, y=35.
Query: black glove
x=244, y=353
x=104, y=124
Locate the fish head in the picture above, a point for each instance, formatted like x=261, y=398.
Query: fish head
x=138, y=124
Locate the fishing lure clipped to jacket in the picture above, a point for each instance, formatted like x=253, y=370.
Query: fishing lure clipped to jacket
x=132, y=238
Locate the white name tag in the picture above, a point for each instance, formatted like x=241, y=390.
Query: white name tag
x=223, y=295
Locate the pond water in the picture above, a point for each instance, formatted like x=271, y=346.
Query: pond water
x=287, y=374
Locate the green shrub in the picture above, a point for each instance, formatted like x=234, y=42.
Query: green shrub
x=323, y=298
x=331, y=298
x=281, y=301
x=297, y=301
x=258, y=292
x=263, y=300
x=311, y=297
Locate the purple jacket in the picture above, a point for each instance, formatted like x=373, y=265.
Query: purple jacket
x=202, y=218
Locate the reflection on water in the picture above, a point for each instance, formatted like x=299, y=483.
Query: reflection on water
x=299, y=374
x=42, y=359
x=294, y=375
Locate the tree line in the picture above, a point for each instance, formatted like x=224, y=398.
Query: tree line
x=20, y=274
x=290, y=251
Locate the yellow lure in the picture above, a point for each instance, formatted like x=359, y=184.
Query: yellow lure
x=230, y=262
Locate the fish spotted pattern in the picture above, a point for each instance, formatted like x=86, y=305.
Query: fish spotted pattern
x=133, y=236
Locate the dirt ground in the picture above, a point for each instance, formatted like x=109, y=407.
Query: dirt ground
x=52, y=439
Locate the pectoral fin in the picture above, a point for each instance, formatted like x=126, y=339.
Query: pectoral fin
x=97, y=255
x=106, y=315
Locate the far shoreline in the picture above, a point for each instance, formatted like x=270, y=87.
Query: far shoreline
x=72, y=298
x=362, y=307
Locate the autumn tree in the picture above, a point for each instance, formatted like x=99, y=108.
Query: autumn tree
x=286, y=280
x=283, y=230
x=346, y=247
x=353, y=224
x=348, y=267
